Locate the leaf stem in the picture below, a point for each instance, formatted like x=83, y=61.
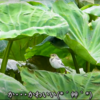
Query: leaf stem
x=87, y=66
x=5, y=56
x=75, y=61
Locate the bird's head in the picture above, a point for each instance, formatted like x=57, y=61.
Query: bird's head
x=53, y=55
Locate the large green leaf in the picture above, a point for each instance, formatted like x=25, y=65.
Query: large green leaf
x=39, y=55
x=19, y=46
x=83, y=41
x=94, y=10
x=45, y=50
x=37, y=3
x=82, y=3
x=44, y=81
x=8, y=86
x=3, y=45
x=42, y=3
x=86, y=2
x=18, y=20
x=97, y=1
x=48, y=46
x=47, y=3
x=54, y=41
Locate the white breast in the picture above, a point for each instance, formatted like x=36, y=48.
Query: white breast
x=56, y=63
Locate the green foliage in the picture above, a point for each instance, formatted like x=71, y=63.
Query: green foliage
x=19, y=29
x=50, y=27
x=26, y=23
x=38, y=4
x=82, y=3
x=48, y=46
x=19, y=46
x=8, y=84
x=94, y=10
x=45, y=50
x=45, y=81
x=3, y=45
x=80, y=38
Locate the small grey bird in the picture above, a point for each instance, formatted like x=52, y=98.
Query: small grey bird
x=56, y=63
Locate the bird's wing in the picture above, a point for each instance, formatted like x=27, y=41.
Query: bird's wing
x=69, y=69
x=60, y=62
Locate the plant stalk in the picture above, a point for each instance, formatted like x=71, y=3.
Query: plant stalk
x=87, y=66
x=5, y=57
x=75, y=61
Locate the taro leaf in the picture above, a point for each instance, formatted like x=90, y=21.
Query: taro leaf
x=41, y=48
x=90, y=1
x=40, y=5
x=9, y=84
x=19, y=46
x=45, y=50
x=47, y=3
x=88, y=6
x=42, y=62
x=19, y=20
x=8, y=1
x=54, y=41
x=3, y=44
x=82, y=3
x=94, y=10
x=2, y=1
x=83, y=41
x=44, y=81
x=97, y=1
x=89, y=9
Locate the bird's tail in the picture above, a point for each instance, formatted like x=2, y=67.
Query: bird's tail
x=70, y=70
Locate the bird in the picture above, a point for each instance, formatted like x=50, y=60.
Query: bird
x=56, y=63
